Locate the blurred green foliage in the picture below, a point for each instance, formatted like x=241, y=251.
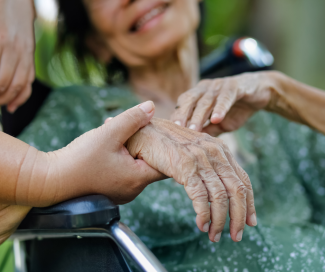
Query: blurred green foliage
x=6, y=258
x=224, y=18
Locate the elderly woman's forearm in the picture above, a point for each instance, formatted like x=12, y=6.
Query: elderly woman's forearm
x=298, y=102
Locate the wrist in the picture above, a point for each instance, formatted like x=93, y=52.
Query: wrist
x=32, y=186
x=276, y=82
x=282, y=98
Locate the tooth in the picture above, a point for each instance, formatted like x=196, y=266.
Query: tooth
x=148, y=16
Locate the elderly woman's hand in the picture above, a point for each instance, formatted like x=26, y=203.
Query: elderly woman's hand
x=206, y=168
x=225, y=102
x=16, y=52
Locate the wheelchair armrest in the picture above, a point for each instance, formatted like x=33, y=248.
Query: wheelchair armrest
x=90, y=216
x=83, y=212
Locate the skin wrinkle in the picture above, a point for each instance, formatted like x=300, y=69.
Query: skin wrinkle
x=19, y=173
x=43, y=183
x=58, y=173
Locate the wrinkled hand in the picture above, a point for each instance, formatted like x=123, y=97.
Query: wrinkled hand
x=16, y=52
x=206, y=168
x=226, y=103
x=10, y=218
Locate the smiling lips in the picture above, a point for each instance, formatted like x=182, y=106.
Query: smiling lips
x=148, y=16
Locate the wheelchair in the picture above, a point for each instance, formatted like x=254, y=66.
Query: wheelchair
x=85, y=234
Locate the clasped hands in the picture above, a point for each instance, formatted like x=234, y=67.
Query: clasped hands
x=122, y=157
x=199, y=162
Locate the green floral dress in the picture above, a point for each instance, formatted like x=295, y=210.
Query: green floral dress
x=286, y=164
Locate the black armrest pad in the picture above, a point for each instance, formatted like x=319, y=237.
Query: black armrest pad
x=83, y=212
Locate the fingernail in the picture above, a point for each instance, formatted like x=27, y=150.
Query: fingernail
x=206, y=227
x=239, y=235
x=147, y=107
x=12, y=109
x=207, y=122
x=253, y=219
x=178, y=123
x=192, y=127
x=217, y=237
x=108, y=119
x=216, y=115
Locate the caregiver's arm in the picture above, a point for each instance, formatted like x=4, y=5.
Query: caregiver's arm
x=229, y=102
x=96, y=162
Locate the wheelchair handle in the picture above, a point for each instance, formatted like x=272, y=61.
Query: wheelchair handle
x=133, y=247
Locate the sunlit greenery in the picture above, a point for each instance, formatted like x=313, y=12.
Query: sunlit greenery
x=6, y=258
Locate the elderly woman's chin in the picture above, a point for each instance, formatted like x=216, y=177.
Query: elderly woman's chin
x=163, y=34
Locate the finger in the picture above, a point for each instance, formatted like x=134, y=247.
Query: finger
x=202, y=111
x=218, y=199
x=108, y=119
x=20, y=99
x=251, y=212
x=224, y=102
x=197, y=192
x=186, y=104
x=236, y=191
x=213, y=130
x=8, y=64
x=21, y=83
x=123, y=126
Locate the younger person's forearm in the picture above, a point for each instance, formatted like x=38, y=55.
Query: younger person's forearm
x=24, y=172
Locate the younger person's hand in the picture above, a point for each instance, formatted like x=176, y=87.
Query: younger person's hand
x=97, y=162
x=17, y=45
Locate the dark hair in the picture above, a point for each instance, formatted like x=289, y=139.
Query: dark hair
x=74, y=26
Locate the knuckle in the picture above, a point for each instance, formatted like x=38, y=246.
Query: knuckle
x=241, y=191
x=185, y=96
x=199, y=154
x=205, y=82
x=209, y=175
x=193, y=185
x=17, y=86
x=225, y=170
x=220, y=197
x=200, y=196
x=204, y=213
x=205, y=103
x=246, y=179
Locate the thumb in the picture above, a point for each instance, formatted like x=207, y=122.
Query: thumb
x=123, y=126
x=146, y=173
